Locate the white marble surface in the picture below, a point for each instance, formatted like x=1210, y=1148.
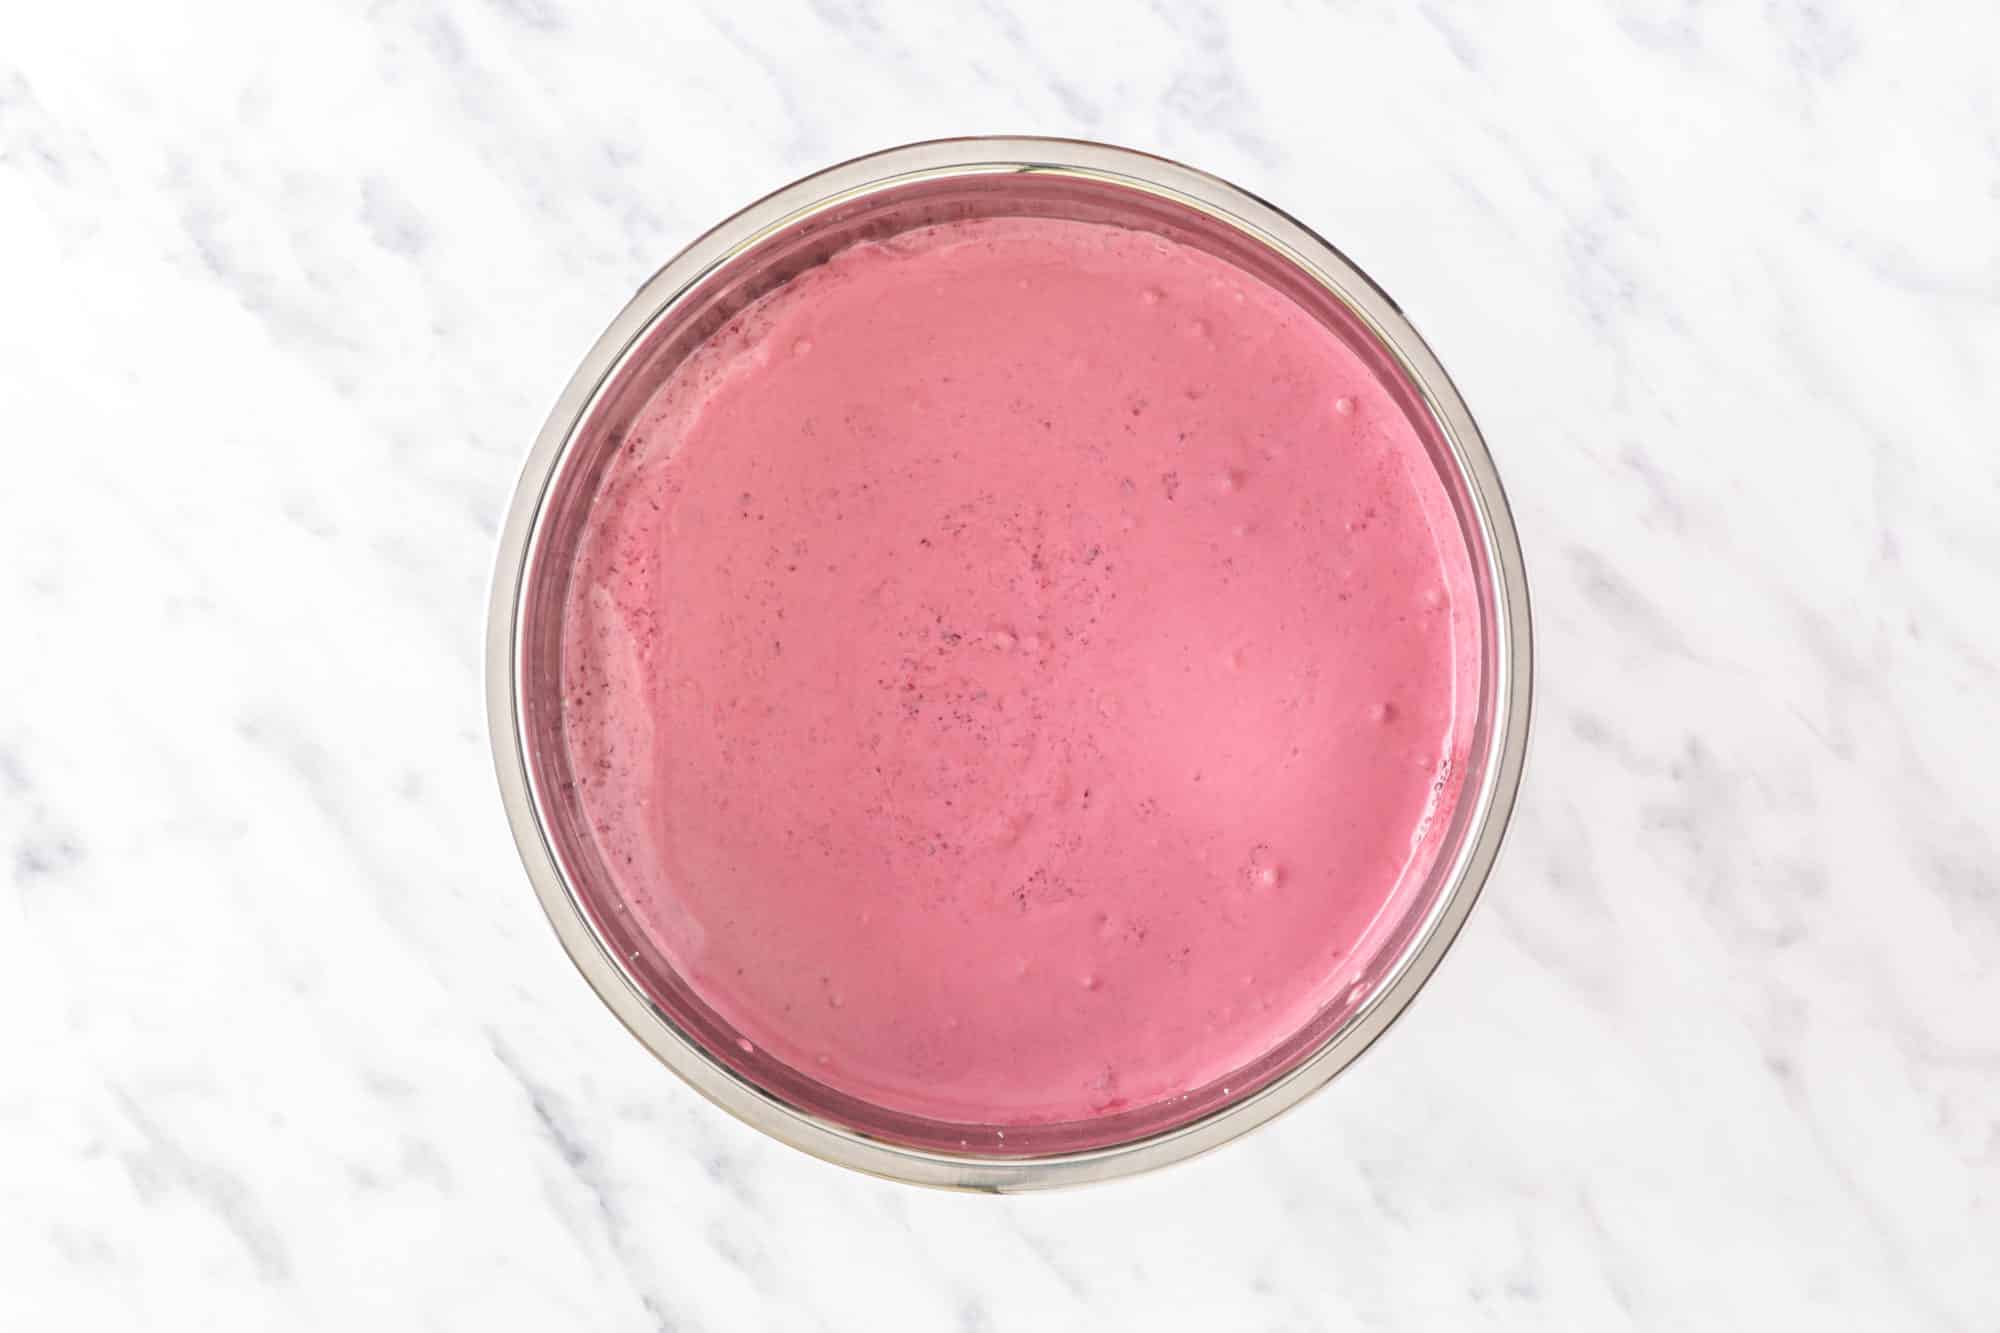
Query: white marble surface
x=287, y=288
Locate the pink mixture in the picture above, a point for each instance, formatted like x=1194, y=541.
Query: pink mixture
x=1010, y=671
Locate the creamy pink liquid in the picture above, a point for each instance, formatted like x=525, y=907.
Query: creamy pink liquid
x=1011, y=671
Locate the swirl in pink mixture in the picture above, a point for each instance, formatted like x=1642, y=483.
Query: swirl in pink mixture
x=1014, y=668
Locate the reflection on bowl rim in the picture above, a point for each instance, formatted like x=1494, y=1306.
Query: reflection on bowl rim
x=1498, y=766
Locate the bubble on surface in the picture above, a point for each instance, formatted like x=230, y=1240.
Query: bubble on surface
x=1264, y=871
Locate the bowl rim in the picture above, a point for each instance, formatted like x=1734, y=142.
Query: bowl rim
x=1178, y=184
